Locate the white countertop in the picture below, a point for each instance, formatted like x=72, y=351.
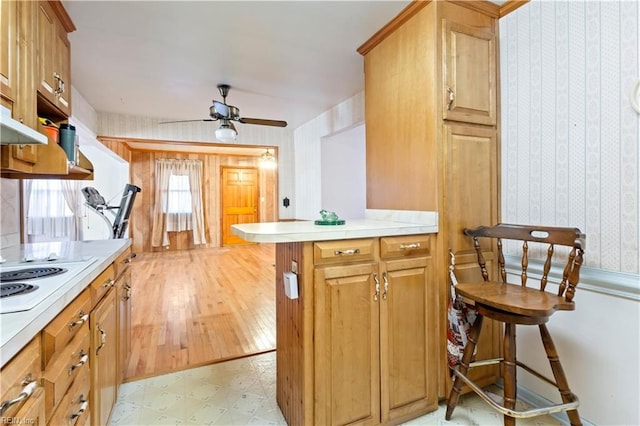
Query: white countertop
x=18, y=328
x=377, y=223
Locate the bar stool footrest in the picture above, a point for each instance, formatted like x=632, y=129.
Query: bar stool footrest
x=520, y=414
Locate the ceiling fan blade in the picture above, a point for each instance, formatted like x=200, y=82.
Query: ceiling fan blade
x=186, y=121
x=262, y=122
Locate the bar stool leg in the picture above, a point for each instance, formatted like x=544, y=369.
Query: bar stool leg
x=558, y=373
x=509, y=371
x=464, y=365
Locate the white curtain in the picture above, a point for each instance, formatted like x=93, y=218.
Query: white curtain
x=73, y=197
x=178, y=201
x=49, y=216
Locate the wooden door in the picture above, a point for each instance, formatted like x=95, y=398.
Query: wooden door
x=469, y=74
x=239, y=200
x=103, y=359
x=408, y=338
x=63, y=70
x=347, y=357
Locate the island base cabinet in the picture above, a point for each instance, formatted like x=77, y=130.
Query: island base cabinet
x=103, y=359
x=374, y=334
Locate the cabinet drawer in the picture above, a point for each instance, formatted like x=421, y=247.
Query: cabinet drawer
x=406, y=245
x=72, y=360
x=122, y=262
x=18, y=374
x=74, y=407
x=343, y=251
x=101, y=285
x=62, y=329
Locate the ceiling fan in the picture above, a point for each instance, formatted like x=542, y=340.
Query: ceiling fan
x=228, y=113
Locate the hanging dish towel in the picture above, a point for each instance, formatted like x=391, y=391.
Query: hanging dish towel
x=461, y=317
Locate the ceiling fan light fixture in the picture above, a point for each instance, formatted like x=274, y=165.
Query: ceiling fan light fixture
x=226, y=134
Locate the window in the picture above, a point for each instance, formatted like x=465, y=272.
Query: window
x=178, y=195
x=48, y=217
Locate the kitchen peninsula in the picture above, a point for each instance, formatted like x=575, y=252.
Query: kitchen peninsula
x=358, y=342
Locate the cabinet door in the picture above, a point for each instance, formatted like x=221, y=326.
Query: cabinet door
x=25, y=107
x=408, y=338
x=469, y=71
x=62, y=61
x=123, y=287
x=47, y=38
x=347, y=365
x=9, y=52
x=472, y=180
x=103, y=361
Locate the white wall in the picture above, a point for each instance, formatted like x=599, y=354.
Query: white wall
x=111, y=173
x=343, y=173
x=570, y=157
x=307, y=141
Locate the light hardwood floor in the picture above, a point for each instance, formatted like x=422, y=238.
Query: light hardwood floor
x=196, y=307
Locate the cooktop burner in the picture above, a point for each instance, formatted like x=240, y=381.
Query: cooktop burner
x=30, y=273
x=15, y=289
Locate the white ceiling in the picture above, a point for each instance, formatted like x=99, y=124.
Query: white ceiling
x=285, y=60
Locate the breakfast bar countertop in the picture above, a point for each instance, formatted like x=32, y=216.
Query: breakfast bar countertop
x=377, y=223
x=18, y=328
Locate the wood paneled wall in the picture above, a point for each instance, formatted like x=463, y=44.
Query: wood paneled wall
x=142, y=170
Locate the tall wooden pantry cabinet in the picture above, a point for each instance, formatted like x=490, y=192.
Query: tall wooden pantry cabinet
x=432, y=139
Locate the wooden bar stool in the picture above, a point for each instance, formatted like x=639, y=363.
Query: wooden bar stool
x=514, y=305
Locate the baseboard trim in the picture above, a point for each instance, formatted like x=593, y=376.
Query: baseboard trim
x=536, y=400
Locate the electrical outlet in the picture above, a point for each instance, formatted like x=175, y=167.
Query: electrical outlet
x=294, y=266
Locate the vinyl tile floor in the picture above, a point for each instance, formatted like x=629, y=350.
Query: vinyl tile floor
x=242, y=392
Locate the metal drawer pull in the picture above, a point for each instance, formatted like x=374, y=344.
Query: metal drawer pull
x=82, y=318
x=386, y=286
x=409, y=246
x=452, y=97
x=83, y=360
x=346, y=252
x=24, y=395
x=83, y=407
x=109, y=283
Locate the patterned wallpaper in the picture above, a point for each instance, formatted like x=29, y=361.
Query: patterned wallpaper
x=569, y=135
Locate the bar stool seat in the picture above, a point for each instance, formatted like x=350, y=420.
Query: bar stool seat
x=513, y=305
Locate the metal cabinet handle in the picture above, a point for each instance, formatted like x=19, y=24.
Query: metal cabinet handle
x=409, y=246
x=83, y=360
x=83, y=407
x=127, y=289
x=82, y=318
x=347, y=252
x=108, y=283
x=377, y=293
x=452, y=96
x=103, y=338
x=386, y=286
x=30, y=386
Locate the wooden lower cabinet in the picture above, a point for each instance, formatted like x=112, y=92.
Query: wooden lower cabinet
x=359, y=346
x=21, y=376
x=123, y=293
x=103, y=359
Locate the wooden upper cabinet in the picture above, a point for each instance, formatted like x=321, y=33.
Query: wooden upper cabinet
x=9, y=52
x=54, y=56
x=469, y=73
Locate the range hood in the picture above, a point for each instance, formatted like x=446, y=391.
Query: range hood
x=14, y=132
